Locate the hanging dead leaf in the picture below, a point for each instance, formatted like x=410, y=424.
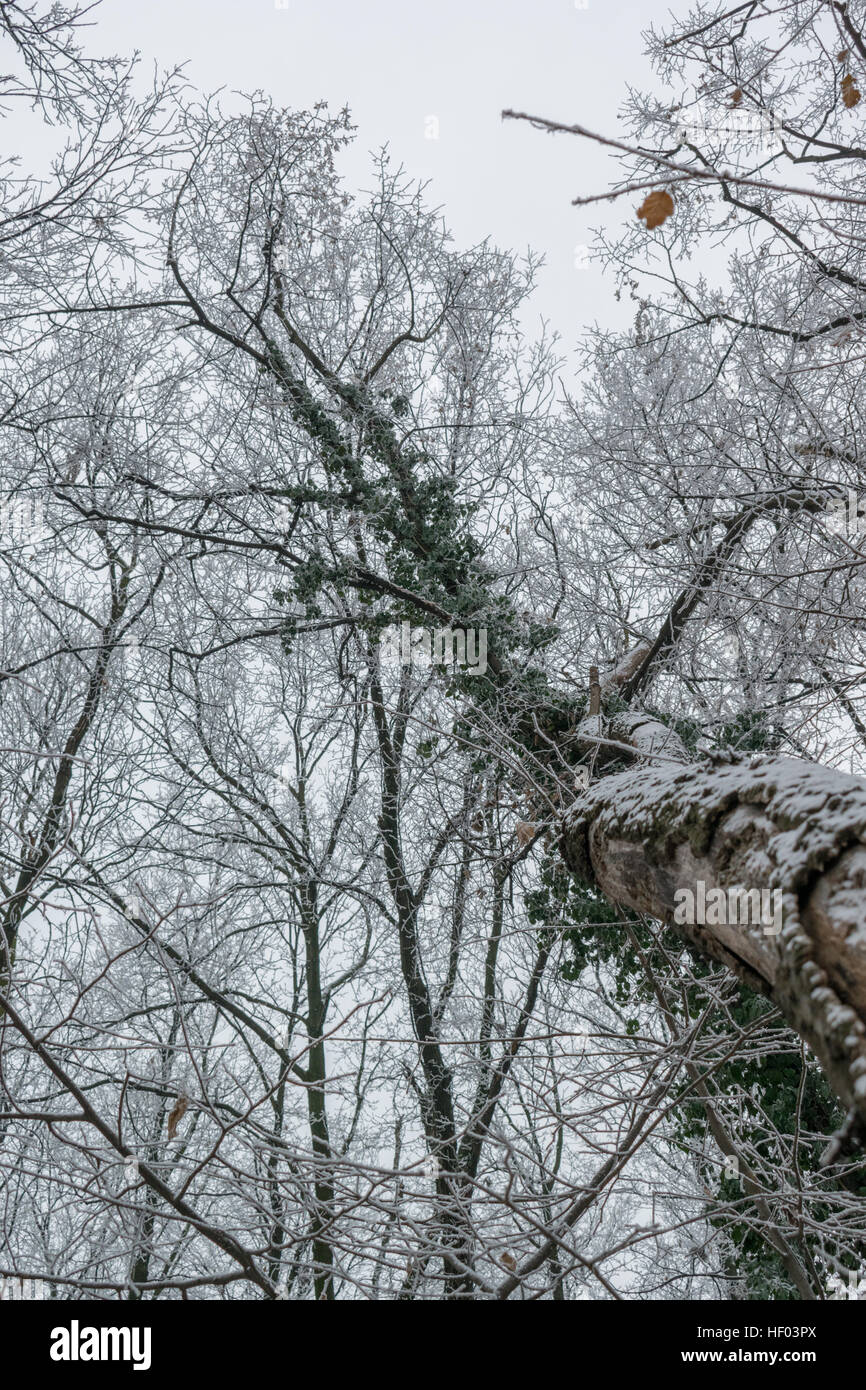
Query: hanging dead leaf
x=850, y=94
x=178, y=1111
x=656, y=208
x=508, y=1260
x=737, y=96
x=525, y=831
x=840, y=57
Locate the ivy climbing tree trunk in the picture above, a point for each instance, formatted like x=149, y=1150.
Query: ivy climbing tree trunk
x=768, y=823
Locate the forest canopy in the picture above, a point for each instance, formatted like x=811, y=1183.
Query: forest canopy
x=433, y=851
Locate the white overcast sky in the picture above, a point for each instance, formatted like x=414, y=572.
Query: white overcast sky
x=396, y=63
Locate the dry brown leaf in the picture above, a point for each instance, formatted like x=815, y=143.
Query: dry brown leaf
x=508, y=1260
x=737, y=96
x=656, y=208
x=525, y=831
x=840, y=57
x=850, y=94
x=177, y=1114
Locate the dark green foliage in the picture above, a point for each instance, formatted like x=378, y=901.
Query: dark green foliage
x=748, y=732
x=775, y=1078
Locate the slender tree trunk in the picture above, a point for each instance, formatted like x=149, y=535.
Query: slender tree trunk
x=317, y=1070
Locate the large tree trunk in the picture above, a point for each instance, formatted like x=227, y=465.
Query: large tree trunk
x=768, y=823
